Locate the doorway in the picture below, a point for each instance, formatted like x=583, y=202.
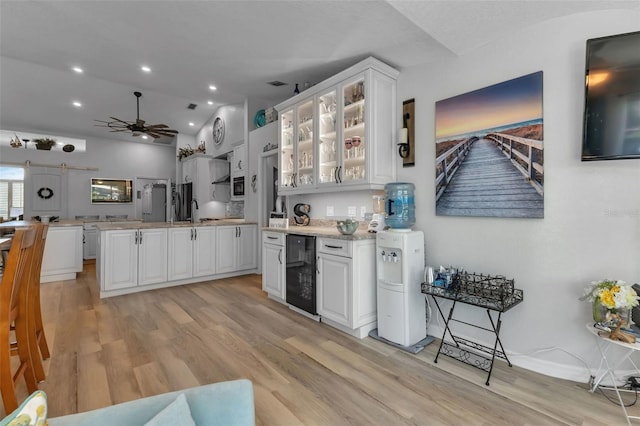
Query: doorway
x=152, y=200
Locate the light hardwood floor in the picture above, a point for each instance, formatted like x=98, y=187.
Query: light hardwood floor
x=303, y=372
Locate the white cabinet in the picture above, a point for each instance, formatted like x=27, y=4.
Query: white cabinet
x=239, y=161
x=236, y=248
x=274, y=264
x=133, y=257
x=341, y=133
x=347, y=284
x=62, y=253
x=191, y=252
x=196, y=169
x=239, y=167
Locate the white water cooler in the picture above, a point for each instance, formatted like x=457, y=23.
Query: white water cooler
x=401, y=304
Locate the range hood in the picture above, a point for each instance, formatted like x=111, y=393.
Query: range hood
x=223, y=179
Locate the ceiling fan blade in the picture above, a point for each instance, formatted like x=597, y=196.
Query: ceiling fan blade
x=158, y=126
x=121, y=121
x=153, y=134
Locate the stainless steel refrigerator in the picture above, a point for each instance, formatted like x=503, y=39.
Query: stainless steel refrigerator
x=182, y=199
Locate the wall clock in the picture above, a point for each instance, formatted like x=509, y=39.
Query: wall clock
x=218, y=131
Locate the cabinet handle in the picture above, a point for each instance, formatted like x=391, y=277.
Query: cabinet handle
x=335, y=175
x=140, y=237
x=84, y=238
x=279, y=256
x=239, y=232
x=333, y=247
x=240, y=165
x=136, y=239
x=340, y=174
x=191, y=234
x=272, y=238
x=195, y=234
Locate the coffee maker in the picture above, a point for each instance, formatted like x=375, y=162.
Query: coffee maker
x=377, y=218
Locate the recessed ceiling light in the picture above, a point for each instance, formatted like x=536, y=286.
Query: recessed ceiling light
x=77, y=104
x=212, y=87
x=145, y=137
x=145, y=68
x=210, y=102
x=191, y=123
x=77, y=70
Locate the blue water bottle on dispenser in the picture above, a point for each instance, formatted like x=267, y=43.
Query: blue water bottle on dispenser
x=400, y=207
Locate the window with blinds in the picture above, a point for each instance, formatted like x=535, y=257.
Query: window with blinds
x=11, y=192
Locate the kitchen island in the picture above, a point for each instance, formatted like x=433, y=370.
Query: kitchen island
x=135, y=257
x=62, y=258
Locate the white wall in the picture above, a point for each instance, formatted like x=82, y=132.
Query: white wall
x=591, y=228
x=114, y=159
x=234, y=134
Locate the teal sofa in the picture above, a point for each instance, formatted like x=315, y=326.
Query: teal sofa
x=225, y=403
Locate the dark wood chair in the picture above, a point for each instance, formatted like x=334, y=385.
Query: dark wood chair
x=14, y=310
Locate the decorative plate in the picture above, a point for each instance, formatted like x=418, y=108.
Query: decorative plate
x=260, y=120
x=218, y=131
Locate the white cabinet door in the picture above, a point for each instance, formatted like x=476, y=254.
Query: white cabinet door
x=247, y=247
x=188, y=170
x=236, y=248
x=204, y=251
x=335, y=288
x=196, y=169
x=121, y=259
x=152, y=256
x=238, y=161
x=180, y=253
x=226, y=249
x=62, y=251
x=273, y=270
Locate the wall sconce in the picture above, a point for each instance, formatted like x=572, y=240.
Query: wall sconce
x=403, y=147
x=406, y=147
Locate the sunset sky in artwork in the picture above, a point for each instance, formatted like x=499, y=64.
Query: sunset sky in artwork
x=509, y=102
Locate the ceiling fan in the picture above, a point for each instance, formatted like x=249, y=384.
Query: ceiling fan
x=138, y=127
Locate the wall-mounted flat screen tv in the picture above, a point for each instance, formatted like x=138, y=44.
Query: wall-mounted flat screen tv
x=612, y=98
x=111, y=191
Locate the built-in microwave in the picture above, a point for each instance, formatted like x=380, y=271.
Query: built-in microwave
x=238, y=186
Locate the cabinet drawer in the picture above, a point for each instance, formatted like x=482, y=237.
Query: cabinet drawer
x=334, y=246
x=276, y=238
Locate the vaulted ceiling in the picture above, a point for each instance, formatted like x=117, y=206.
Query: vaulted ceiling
x=238, y=46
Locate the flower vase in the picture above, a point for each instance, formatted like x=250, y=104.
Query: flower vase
x=613, y=318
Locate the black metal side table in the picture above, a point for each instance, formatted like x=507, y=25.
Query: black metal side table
x=493, y=293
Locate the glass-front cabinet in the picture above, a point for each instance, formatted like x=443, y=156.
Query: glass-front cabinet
x=340, y=133
x=327, y=139
x=286, y=162
x=353, y=167
x=305, y=151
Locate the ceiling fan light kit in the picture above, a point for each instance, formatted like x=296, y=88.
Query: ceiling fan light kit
x=138, y=127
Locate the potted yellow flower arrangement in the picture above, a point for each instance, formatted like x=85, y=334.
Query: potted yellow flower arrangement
x=612, y=302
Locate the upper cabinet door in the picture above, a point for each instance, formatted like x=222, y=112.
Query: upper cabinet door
x=286, y=180
x=353, y=166
x=328, y=143
x=304, y=147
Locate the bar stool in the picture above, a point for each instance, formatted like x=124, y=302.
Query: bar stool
x=13, y=310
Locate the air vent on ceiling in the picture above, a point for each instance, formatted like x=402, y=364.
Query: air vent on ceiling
x=277, y=83
x=192, y=106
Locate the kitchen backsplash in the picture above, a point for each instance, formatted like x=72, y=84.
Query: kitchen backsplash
x=235, y=209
